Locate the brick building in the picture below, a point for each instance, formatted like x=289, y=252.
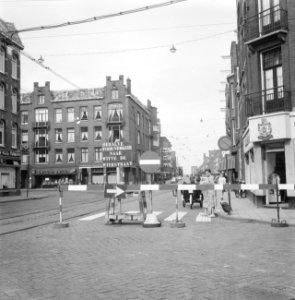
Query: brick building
x=66, y=132
x=265, y=94
x=10, y=46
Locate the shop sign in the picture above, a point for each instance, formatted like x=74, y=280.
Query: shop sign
x=12, y=153
x=116, y=155
x=55, y=171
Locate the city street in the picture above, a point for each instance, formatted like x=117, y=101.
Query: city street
x=220, y=259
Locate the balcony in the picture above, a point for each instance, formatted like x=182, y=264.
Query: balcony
x=41, y=144
x=268, y=101
x=268, y=25
x=43, y=124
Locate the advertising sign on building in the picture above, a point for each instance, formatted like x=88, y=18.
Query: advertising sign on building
x=117, y=154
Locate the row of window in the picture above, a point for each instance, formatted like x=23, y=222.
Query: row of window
x=3, y=104
x=42, y=156
x=13, y=134
x=14, y=63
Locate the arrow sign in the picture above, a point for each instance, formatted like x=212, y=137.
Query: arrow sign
x=112, y=190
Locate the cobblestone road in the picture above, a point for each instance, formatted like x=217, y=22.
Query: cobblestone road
x=90, y=260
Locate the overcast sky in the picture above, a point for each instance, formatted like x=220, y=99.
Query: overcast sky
x=185, y=86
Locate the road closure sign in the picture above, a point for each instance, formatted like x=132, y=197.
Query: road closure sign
x=224, y=143
x=117, y=154
x=150, y=162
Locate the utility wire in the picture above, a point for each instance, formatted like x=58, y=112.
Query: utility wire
x=48, y=69
x=139, y=49
x=97, y=18
x=126, y=31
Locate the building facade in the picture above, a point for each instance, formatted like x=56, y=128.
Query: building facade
x=66, y=134
x=10, y=46
x=266, y=102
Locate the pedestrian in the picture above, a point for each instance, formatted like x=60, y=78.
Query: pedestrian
x=208, y=202
x=219, y=193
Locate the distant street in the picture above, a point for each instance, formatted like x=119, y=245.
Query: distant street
x=219, y=259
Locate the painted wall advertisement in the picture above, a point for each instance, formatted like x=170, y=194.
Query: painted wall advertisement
x=117, y=154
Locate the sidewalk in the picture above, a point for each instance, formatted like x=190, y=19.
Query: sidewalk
x=244, y=209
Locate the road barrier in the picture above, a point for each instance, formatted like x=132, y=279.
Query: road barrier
x=203, y=187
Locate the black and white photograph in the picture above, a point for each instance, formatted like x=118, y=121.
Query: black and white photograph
x=147, y=149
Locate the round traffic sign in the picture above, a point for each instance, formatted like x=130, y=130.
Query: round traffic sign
x=150, y=162
x=224, y=143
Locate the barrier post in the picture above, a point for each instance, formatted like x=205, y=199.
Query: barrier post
x=61, y=224
x=278, y=222
x=176, y=223
x=229, y=181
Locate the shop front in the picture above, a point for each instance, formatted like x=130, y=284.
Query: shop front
x=268, y=147
x=9, y=172
x=49, y=177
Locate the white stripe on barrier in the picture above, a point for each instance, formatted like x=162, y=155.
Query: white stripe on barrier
x=93, y=217
x=218, y=187
x=150, y=162
x=186, y=187
x=286, y=186
x=249, y=186
x=77, y=187
x=149, y=187
x=172, y=217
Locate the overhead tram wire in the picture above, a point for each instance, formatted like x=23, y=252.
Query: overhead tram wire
x=49, y=69
x=139, y=49
x=97, y=18
x=125, y=31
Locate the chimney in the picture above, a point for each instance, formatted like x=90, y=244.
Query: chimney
x=128, y=86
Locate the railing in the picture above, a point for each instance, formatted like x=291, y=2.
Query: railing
x=41, y=124
x=266, y=22
x=268, y=101
x=41, y=144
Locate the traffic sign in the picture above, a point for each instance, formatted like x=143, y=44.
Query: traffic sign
x=113, y=190
x=150, y=162
x=224, y=143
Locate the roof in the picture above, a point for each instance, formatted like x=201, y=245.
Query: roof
x=7, y=30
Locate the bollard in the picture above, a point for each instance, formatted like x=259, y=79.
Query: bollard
x=176, y=223
x=61, y=224
x=278, y=222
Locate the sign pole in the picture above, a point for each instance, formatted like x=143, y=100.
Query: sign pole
x=176, y=223
x=229, y=181
x=61, y=224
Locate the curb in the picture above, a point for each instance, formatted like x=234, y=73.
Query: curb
x=247, y=220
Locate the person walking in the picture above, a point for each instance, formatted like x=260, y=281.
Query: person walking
x=208, y=202
x=219, y=193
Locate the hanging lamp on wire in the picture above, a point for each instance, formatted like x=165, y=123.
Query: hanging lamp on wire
x=172, y=49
